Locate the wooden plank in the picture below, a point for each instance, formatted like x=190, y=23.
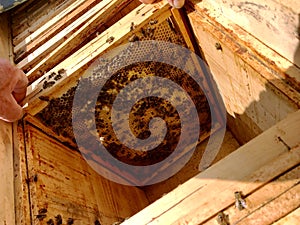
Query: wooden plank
x=270, y=21
x=279, y=207
x=71, y=36
x=290, y=219
x=7, y=215
x=262, y=199
x=246, y=169
x=21, y=179
x=246, y=81
x=91, y=51
x=280, y=66
x=191, y=169
x=50, y=29
x=38, y=20
x=66, y=185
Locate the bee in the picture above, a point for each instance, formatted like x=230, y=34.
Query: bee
x=70, y=221
x=51, y=75
x=153, y=22
x=43, y=211
x=48, y=84
x=218, y=46
x=97, y=222
x=50, y=222
x=132, y=26
x=110, y=39
x=240, y=203
x=40, y=217
x=58, y=220
x=133, y=38
x=222, y=219
x=44, y=98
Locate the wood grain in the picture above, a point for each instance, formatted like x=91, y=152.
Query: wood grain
x=246, y=169
x=7, y=215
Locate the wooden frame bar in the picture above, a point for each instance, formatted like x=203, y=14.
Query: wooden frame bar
x=247, y=169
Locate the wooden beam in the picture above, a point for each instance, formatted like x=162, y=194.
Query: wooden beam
x=69, y=38
x=38, y=41
x=262, y=199
x=290, y=219
x=85, y=56
x=269, y=21
x=271, y=65
x=7, y=215
x=247, y=169
x=27, y=27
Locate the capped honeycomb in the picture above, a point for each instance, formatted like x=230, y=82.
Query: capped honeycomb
x=58, y=113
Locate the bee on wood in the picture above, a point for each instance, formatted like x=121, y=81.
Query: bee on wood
x=51, y=75
x=134, y=38
x=218, y=46
x=132, y=26
x=222, y=219
x=153, y=22
x=44, y=98
x=61, y=73
x=240, y=203
x=110, y=39
x=48, y=84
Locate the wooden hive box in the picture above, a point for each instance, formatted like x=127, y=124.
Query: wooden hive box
x=251, y=177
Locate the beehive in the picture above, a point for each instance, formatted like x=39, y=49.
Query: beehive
x=58, y=180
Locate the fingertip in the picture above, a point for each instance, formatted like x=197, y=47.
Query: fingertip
x=178, y=4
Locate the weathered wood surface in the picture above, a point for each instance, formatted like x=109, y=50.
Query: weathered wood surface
x=281, y=194
x=275, y=23
x=35, y=37
x=62, y=182
x=56, y=42
x=247, y=169
x=7, y=215
x=191, y=169
x=290, y=219
x=248, y=74
x=32, y=17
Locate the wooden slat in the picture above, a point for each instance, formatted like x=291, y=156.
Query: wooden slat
x=250, y=49
x=22, y=206
x=21, y=21
x=250, y=84
x=191, y=169
x=7, y=215
x=290, y=219
x=262, y=199
x=66, y=185
x=279, y=207
x=248, y=168
x=50, y=29
x=92, y=50
x=38, y=21
x=73, y=35
x=270, y=21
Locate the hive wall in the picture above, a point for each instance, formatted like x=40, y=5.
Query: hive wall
x=256, y=87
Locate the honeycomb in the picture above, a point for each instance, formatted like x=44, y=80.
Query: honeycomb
x=58, y=113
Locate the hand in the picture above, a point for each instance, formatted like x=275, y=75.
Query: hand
x=174, y=3
x=13, y=86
